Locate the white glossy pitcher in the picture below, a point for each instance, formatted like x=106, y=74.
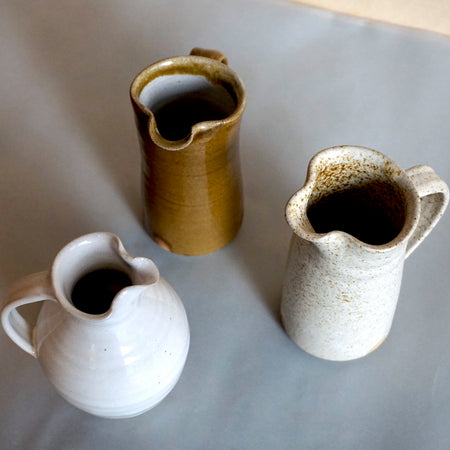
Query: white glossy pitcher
x=118, y=363
x=357, y=218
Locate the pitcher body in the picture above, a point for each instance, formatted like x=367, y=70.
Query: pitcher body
x=119, y=361
x=355, y=221
x=188, y=111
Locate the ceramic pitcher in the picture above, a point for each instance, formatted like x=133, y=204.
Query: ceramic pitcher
x=357, y=218
x=188, y=111
x=112, y=360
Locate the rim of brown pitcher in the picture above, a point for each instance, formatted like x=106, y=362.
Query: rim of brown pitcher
x=214, y=71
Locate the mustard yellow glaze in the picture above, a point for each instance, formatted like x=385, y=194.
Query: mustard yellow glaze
x=192, y=188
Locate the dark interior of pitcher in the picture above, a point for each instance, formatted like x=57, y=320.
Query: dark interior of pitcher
x=372, y=211
x=180, y=101
x=94, y=292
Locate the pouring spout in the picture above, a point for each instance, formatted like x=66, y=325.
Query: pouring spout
x=142, y=273
x=297, y=218
x=296, y=212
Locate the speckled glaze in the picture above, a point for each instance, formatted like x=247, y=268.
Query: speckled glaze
x=192, y=187
x=117, y=364
x=340, y=294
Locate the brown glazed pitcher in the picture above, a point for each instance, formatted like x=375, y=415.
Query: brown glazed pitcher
x=188, y=111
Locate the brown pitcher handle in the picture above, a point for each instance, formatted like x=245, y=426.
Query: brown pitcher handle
x=208, y=53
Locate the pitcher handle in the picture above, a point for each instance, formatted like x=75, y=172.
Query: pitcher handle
x=434, y=197
x=33, y=288
x=212, y=54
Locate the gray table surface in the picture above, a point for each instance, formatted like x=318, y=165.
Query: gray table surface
x=69, y=165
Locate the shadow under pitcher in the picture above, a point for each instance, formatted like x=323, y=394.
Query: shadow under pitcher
x=188, y=111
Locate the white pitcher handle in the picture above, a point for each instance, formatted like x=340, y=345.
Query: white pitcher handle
x=434, y=197
x=33, y=288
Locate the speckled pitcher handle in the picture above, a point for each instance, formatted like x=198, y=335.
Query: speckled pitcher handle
x=31, y=289
x=212, y=54
x=434, y=197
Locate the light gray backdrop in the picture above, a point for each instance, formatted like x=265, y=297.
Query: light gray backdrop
x=69, y=165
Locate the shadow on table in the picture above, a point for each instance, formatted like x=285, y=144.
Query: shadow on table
x=262, y=243
x=90, y=69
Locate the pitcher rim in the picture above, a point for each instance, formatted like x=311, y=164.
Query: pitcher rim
x=411, y=218
x=58, y=285
x=139, y=82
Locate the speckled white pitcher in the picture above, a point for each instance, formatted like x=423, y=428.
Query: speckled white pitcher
x=343, y=276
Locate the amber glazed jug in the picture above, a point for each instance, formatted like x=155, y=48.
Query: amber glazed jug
x=188, y=111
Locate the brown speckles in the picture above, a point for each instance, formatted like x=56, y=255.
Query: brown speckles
x=339, y=293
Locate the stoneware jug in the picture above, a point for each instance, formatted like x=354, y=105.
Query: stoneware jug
x=111, y=360
x=188, y=112
x=357, y=218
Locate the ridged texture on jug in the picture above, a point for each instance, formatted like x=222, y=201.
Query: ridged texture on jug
x=122, y=370
x=125, y=361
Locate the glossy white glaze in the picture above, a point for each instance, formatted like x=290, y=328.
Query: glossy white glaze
x=117, y=364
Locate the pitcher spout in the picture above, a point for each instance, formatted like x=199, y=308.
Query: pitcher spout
x=142, y=273
x=296, y=213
